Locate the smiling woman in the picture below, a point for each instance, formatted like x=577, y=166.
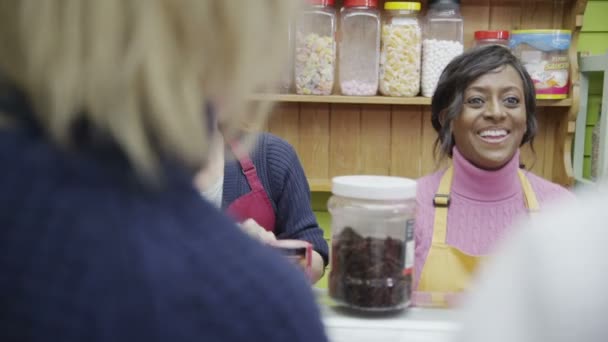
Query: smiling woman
x=483, y=111
x=492, y=124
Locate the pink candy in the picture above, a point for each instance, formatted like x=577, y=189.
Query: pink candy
x=358, y=88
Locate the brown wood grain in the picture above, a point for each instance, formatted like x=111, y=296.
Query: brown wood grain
x=314, y=139
x=345, y=138
x=284, y=123
x=406, y=141
x=376, y=140
x=476, y=18
x=505, y=15
x=427, y=153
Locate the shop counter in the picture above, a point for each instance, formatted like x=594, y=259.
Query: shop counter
x=411, y=325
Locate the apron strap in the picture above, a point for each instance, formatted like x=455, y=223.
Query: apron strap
x=529, y=195
x=441, y=202
x=247, y=166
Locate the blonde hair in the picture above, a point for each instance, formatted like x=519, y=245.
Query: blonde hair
x=141, y=71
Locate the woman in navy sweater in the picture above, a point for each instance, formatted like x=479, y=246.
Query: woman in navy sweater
x=266, y=191
x=103, y=235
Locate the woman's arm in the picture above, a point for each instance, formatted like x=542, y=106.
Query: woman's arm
x=291, y=195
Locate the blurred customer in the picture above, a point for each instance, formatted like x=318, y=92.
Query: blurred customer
x=102, y=128
x=548, y=283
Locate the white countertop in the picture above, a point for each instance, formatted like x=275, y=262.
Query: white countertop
x=411, y=325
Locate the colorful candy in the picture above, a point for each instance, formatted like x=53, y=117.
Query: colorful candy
x=400, y=60
x=314, y=64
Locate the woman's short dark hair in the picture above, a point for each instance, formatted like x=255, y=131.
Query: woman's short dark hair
x=448, y=99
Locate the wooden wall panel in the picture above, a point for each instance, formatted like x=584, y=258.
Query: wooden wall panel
x=476, y=17
x=344, y=141
x=427, y=157
x=375, y=140
x=314, y=139
x=505, y=15
x=536, y=15
x=285, y=122
x=406, y=141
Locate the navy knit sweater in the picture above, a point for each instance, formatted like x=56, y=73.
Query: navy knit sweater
x=282, y=175
x=89, y=254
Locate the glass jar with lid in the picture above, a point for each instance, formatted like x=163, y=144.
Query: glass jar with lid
x=359, y=47
x=492, y=38
x=315, y=48
x=442, y=41
x=400, y=53
x=372, y=253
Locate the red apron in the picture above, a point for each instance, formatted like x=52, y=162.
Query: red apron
x=256, y=204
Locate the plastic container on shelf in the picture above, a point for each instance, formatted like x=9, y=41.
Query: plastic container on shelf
x=372, y=253
x=401, y=49
x=315, y=48
x=492, y=38
x=359, y=47
x=544, y=54
x=442, y=41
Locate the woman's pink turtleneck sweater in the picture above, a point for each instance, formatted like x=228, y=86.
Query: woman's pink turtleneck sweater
x=483, y=206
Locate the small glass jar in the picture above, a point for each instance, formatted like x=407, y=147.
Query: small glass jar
x=359, y=47
x=401, y=49
x=372, y=253
x=443, y=41
x=315, y=48
x=492, y=38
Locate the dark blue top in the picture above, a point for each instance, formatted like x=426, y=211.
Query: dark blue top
x=89, y=254
x=282, y=175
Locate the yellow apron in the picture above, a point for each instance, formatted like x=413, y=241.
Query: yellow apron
x=447, y=270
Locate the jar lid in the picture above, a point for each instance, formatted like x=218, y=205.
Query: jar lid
x=480, y=35
x=444, y=2
x=566, y=32
x=321, y=2
x=360, y=3
x=394, y=5
x=374, y=187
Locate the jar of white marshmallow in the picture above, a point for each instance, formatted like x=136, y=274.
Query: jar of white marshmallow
x=442, y=42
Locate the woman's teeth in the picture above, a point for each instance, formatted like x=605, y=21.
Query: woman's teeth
x=493, y=133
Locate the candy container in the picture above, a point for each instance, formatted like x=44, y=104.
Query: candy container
x=443, y=40
x=315, y=49
x=400, y=55
x=372, y=253
x=359, y=47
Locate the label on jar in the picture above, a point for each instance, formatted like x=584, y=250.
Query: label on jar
x=410, y=246
x=550, y=75
x=545, y=57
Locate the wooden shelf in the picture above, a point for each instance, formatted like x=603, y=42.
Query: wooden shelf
x=387, y=100
x=319, y=185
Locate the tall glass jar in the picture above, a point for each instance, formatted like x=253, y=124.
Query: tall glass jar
x=443, y=41
x=359, y=47
x=401, y=45
x=315, y=48
x=372, y=253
